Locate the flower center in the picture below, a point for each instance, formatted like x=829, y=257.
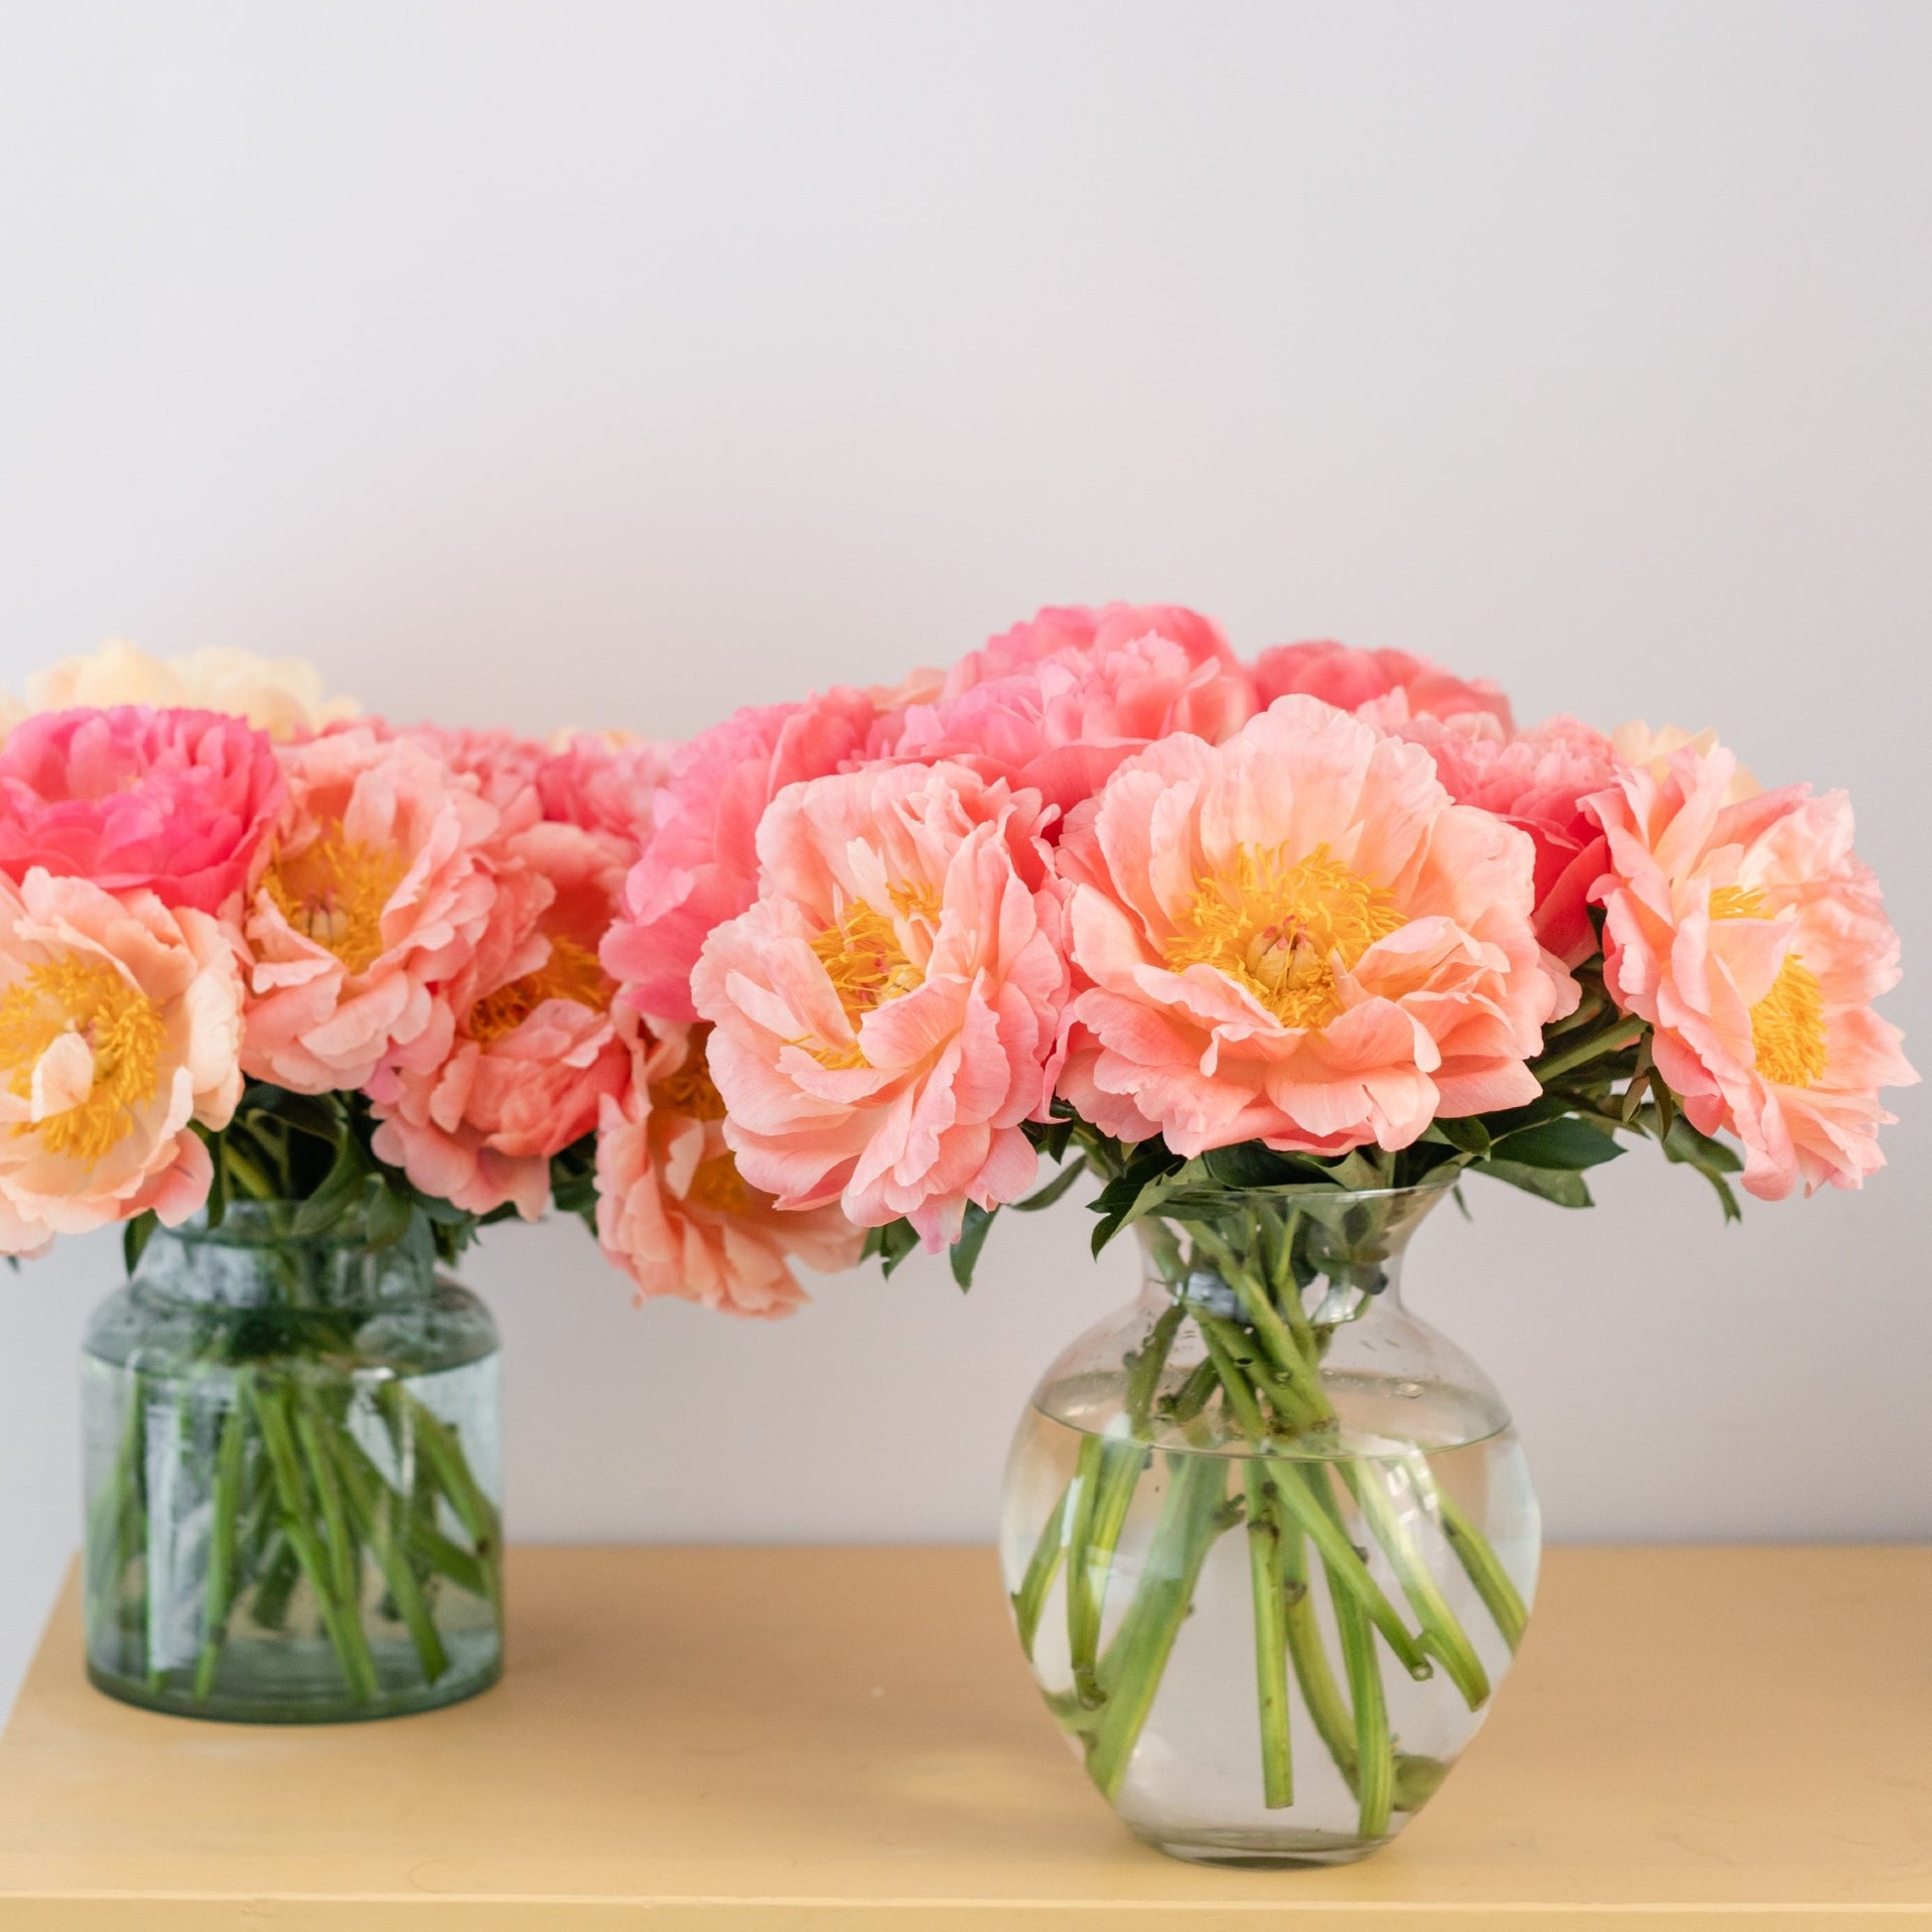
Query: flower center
x=866, y=959
x=719, y=1185
x=120, y=1030
x=690, y=1090
x=1788, y=1024
x=335, y=892
x=571, y=972
x=1281, y=928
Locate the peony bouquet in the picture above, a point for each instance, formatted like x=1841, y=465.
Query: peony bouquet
x=1275, y=955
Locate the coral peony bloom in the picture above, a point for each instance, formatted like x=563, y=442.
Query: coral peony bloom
x=282, y=696
x=1350, y=679
x=1296, y=937
x=1057, y=704
x=1638, y=743
x=672, y=1209
x=1537, y=779
x=887, y=1013
x=375, y=892
x=700, y=865
x=120, y=1022
x=603, y=782
x=533, y=1052
x=176, y=802
x=1752, y=937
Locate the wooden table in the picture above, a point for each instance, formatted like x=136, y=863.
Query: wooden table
x=743, y=1741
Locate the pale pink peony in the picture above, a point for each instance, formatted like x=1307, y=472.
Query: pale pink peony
x=700, y=865
x=1296, y=937
x=120, y=1022
x=176, y=802
x=376, y=889
x=603, y=782
x=887, y=1013
x=1349, y=680
x=282, y=696
x=1537, y=779
x=1752, y=938
x=1636, y=743
x=533, y=1052
x=672, y=1209
x=1057, y=704
x=503, y=767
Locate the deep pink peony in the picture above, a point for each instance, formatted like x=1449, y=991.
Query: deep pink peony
x=532, y=1050
x=1296, y=937
x=376, y=890
x=672, y=1209
x=887, y=1013
x=700, y=864
x=1349, y=678
x=174, y=801
x=1058, y=703
x=1753, y=940
x=120, y=1018
x=1537, y=779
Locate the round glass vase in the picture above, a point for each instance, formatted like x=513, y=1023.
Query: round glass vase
x=293, y=1476
x=1269, y=1539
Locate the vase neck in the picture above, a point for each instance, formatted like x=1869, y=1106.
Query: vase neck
x=254, y=1259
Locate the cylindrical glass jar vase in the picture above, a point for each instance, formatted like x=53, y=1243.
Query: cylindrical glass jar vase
x=1269, y=1539
x=292, y=1471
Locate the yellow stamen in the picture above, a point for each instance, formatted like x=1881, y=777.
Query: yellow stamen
x=571, y=972
x=1281, y=928
x=1739, y=903
x=719, y=1185
x=864, y=955
x=689, y=1090
x=335, y=892
x=124, y=1031
x=1788, y=1026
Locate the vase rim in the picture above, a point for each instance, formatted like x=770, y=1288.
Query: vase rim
x=251, y=1225
x=1319, y=1191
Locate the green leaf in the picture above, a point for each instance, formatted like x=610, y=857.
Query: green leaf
x=1152, y=1172
x=135, y=1237
x=1683, y=1143
x=1051, y=1136
x=973, y=1231
x=1054, y=1189
x=389, y=1216
x=1566, y=1143
x=1466, y=1134
x=891, y=1243
x=217, y=1187
x=1557, y=1185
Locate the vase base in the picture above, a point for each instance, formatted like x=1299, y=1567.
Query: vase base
x=475, y=1663
x=1261, y=1850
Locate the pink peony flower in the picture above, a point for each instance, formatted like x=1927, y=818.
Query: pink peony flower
x=533, y=1052
x=504, y=767
x=1296, y=937
x=375, y=893
x=672, y=1209
x=174, y=801
x=1057, y=704
x=887, y=1013
x=1636, y=743
x=1752, y=937
x=1350, y=679
x=1537, y=779
x=120, y=1021
x=700, y=865
x=605, y=782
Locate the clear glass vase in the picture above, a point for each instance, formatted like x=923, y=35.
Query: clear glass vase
x=1269, y=1539
x=293, y=1473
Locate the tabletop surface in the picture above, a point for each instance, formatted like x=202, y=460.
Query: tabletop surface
x=764, y=1739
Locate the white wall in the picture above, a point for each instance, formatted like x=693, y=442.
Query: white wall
x=618, y=364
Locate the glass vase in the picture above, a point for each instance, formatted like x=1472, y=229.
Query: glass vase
x=293, y=1482
x=1269, y=1539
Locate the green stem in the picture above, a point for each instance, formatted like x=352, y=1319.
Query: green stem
x=1029, y=1599
x=441, y=1449
x=1623, y=1032
x=1084, y=1491
x=298, y=1527
x=1319, y=1690
x=1305, y=1494
x=1443, y=1634
x=1144, y=1370
x=226, y=1505
x=1223, y=1343
x=1090, y=1558
x=1270, y=1639
x=1194, y=1394
x=1485, y=1570
x=1192, y=1515
x=113, y=1512
x=344, y=1568
x=278, y=1571
x=376, y=1510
